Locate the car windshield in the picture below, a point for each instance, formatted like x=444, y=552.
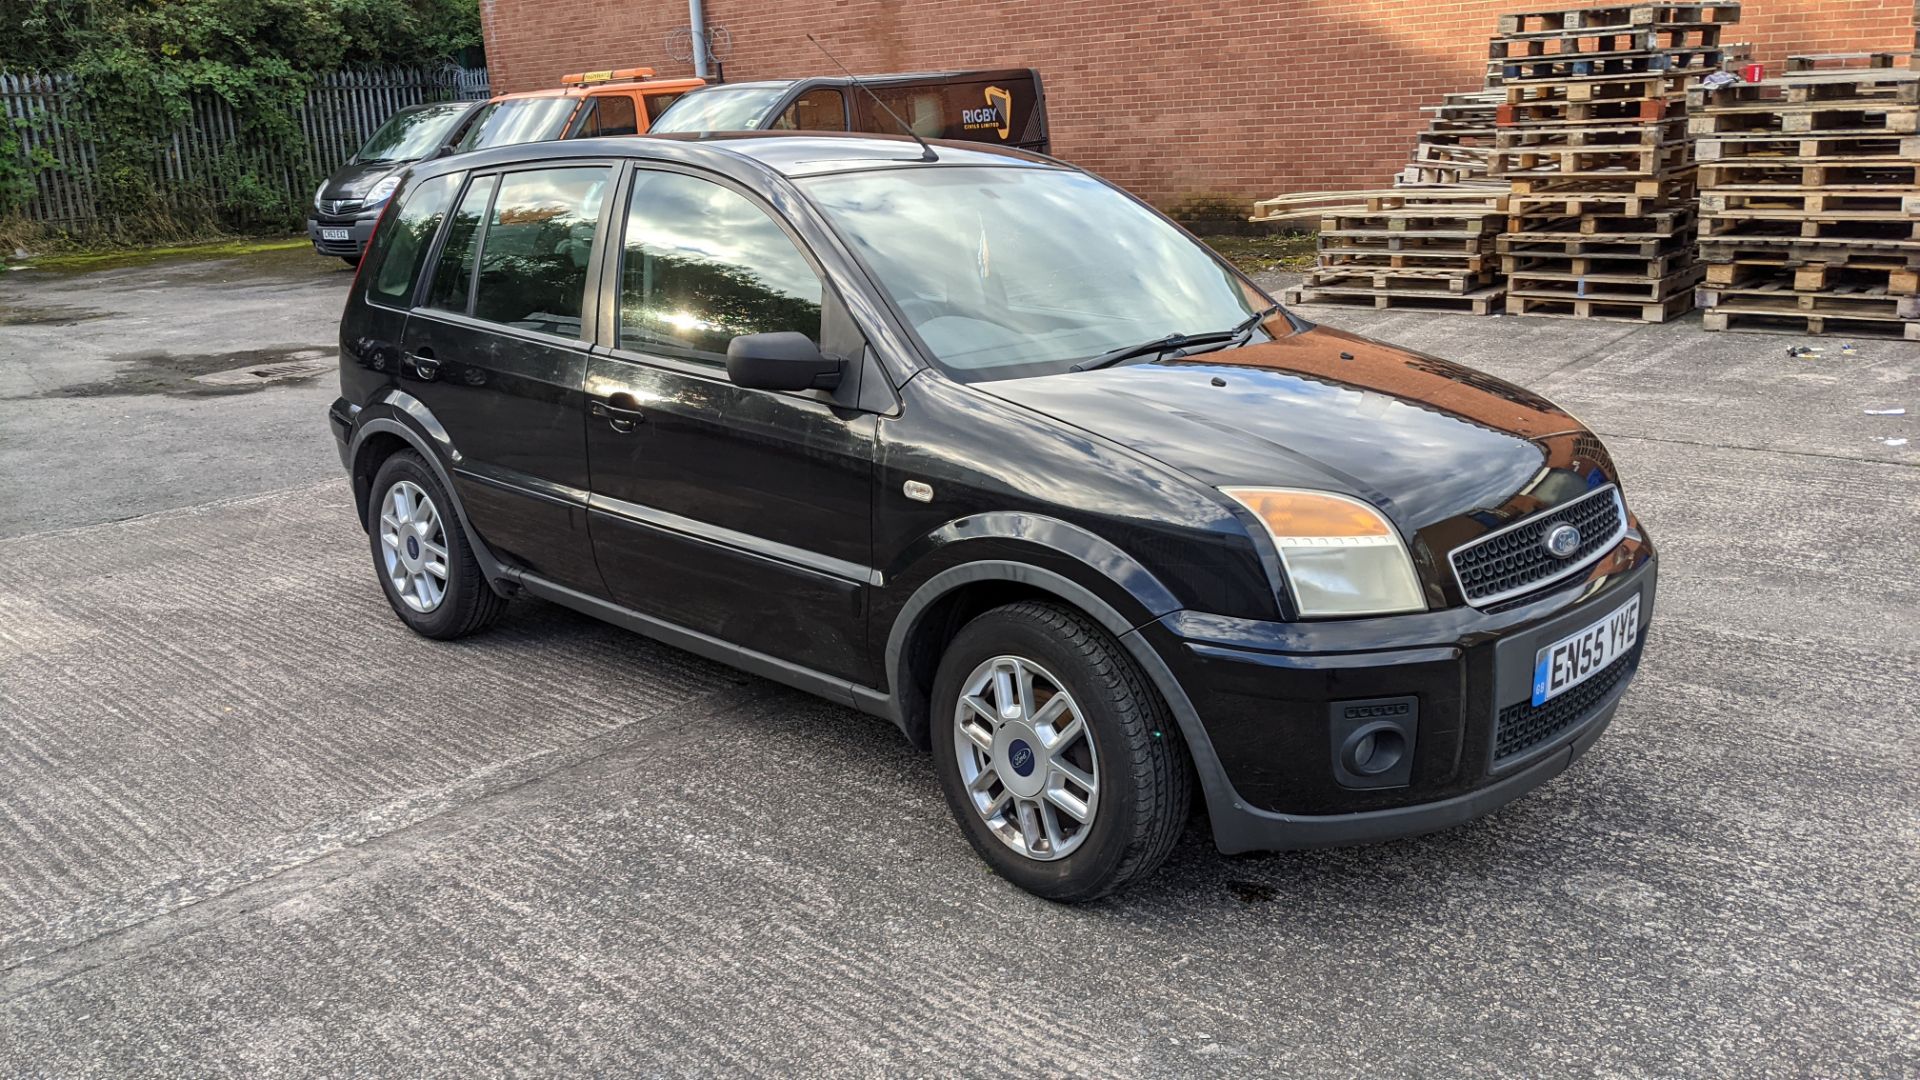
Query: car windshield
x=413, y=134
x=721, y=108
x=1006, y=272
x=518, y=120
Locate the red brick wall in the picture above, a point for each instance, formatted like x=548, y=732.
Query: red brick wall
x=1170, y=98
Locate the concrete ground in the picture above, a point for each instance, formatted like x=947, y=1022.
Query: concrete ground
x=251, y=826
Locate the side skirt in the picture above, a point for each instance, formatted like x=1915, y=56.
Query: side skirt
x=840, y=691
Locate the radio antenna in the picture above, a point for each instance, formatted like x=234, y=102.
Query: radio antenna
x=926, y=149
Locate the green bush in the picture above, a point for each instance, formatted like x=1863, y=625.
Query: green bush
x=140, y=63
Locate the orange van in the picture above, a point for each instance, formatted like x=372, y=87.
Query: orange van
x=623, y=101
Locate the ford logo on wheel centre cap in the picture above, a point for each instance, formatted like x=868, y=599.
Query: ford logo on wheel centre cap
x=1020, y=756
x=1561, y=541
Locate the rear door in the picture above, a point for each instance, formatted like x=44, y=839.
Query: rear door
x=742, y=514
x=497, y=352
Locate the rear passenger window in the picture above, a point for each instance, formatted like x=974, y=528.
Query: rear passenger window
x=453, y=272
x=405, y=236
x=534, y=254
x=610, y=114
x=703, y=264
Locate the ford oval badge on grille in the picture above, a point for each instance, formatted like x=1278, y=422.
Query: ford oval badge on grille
x=1561, y=541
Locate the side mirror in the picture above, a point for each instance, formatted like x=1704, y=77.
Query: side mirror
x=444, y=151
x=780, y=361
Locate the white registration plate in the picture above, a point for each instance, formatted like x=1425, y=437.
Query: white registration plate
x=333, y=234
x=1575, y=658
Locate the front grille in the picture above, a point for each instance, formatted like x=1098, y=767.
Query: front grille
x=1526, y=725
x=339, y=207
x=1514, y=561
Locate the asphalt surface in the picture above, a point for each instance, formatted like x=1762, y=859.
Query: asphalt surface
x=251, y=826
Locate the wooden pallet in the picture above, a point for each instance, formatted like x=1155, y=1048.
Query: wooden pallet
x=1556, y=308
x=1403, y=202
x=1364, y=259
x=1799, y=250
x=1829, y=225
x=1590, y=161
x=1596, y=247
x=1820, y=120
x=1653, y=133
x=1758, y=173
x=1601, y=40
x=1603, y=111
x=1891, y=275
x=1863, y=302
x=1611, y=65
x=1604, y=288
x=1624, y=201
x=1811, y=201
x=1659, y=223
x=1482, y=302
x=1413, y=240
x=1830, y=89
x=1644, y=186
x=1799, y=322
x=1566, y=266
x=1404, y=278
x=1850, y=61
x=1823, y=148
x=1647, y=86
x=1620, y=15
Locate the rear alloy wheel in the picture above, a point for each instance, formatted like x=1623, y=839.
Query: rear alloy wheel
x=1058, y=758
x=413, y=546
x=426, y=566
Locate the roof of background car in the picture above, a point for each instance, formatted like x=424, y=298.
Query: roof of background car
x=786, y=153
x=877, y=79
x=650, y=85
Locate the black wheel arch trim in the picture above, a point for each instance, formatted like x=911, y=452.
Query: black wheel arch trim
x=1222, y=800
x=406, y=417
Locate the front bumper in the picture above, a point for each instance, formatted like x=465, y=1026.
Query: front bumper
x=359, y=230
x=1273, y=700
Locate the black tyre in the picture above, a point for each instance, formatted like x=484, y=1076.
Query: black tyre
x=350, y=260
x=1058, y=758
x=425, y=565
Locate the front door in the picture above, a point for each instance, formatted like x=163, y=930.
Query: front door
x=742, y=514
x=497, y=353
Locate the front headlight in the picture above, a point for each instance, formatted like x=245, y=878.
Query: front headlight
x=381, y=191
x=317, y=192
x=1342, y=557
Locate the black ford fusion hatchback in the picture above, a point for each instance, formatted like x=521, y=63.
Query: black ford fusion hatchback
x=984, y=446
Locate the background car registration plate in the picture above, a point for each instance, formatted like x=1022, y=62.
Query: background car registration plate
x=333, y=234
x=1575, y=658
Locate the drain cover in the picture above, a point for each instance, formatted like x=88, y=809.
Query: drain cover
x=297, y=365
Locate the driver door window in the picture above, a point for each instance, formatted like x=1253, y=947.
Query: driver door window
x=701, y=265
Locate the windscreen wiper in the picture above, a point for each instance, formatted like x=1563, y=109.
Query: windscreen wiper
x=1235, y=337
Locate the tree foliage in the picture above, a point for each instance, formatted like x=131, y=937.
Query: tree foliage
x=140, y=64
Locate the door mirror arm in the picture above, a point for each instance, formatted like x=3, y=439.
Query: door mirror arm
x=784, y=360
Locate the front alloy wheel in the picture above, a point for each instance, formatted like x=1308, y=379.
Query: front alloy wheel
x=1062, y=765
x=1030, y=767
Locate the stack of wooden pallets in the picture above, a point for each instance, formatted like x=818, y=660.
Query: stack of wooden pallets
x=1459, y=137
x=1810, y=198
x=1593, y=140
x=1400, y=247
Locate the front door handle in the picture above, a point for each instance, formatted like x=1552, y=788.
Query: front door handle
x=620, y=412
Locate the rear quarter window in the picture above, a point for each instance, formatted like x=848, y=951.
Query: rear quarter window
x=402, y=243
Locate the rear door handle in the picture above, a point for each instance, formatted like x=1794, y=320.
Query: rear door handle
x=620, y=412
x=424, y=365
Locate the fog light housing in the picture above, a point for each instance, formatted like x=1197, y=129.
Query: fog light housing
x=1373, y=741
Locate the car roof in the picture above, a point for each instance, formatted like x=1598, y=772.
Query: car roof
x=886, y=79
x=742, y=153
